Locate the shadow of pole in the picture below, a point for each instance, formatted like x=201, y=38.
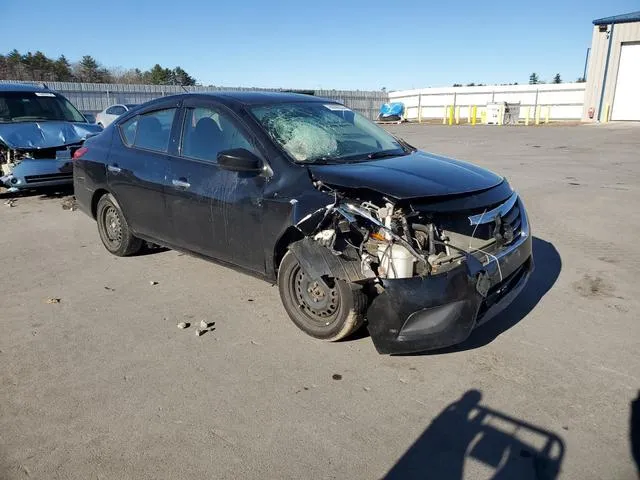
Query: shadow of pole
x=468, y=439
x=634, y=431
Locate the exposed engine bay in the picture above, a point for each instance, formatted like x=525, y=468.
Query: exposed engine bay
x=397, y=239
x=10, y=158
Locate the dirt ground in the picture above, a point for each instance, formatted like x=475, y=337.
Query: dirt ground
x=99, y=383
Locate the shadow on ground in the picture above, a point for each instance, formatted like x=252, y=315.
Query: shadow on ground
x=634, y=431
x=469, y=440
x=548, y=265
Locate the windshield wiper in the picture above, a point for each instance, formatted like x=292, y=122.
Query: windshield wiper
x=383, y=154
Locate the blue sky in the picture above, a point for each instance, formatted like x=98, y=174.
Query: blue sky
x=341, y=44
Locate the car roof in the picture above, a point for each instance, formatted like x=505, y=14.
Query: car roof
x=23, y=87
x=258, y=98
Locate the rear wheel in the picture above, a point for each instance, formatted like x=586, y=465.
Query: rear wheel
x=114, y=230
x=329, y=310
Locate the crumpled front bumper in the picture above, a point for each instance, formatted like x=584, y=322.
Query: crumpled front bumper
x=424, y=313
x=34, y=173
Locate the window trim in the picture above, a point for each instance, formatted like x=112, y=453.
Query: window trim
x=152, y=110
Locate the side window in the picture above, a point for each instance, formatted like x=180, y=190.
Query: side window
x=109, y=111
x=208, y=131
x=117, y=110
x=150, y=131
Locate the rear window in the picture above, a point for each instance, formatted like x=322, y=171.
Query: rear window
x=150, y=131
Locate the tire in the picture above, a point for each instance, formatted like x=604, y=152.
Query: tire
x=328, y=315
x=114, y=231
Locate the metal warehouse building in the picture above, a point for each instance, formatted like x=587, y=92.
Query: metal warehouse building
x=613, y=78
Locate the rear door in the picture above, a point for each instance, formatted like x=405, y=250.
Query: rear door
x=137, y=169
x=215, y=212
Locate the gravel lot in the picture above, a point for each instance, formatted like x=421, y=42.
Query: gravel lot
x=103, y=385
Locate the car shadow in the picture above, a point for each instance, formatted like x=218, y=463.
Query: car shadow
x=467, y=440
x=548, y=265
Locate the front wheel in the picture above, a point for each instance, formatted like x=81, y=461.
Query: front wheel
x=114, y=230
x=329, y=310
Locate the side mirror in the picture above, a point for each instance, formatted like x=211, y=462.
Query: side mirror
x=239, y=160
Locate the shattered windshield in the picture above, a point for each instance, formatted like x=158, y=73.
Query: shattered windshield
x=313, y=132
x=36, y=106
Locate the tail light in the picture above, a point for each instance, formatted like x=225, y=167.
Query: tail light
x=80, y=152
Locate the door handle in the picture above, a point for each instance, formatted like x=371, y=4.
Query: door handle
x=180, y=183
x=114, y=168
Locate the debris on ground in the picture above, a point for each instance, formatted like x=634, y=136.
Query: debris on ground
x=53, y=300
x=69, y=203
x=203, y=324
x=11, y=202
x=590, y=286
x=336, y=376
x=109, y=289
x=253, y=342
x=199, y=332
x=183, y=325
x=153, y=282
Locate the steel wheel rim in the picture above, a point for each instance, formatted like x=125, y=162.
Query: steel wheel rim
x=318, y=304
x=112, y=226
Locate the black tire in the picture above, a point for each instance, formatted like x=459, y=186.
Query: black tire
x=114, y=231
x=328, y=315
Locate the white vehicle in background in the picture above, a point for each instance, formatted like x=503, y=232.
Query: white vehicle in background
x=109, y=114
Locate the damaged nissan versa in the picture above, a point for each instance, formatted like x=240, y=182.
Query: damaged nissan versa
x=355, y=225
x=39, y=132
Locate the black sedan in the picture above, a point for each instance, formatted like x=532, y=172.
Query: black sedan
x=353, y=224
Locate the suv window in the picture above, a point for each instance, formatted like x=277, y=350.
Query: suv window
x=208, y=131
x=150, y=131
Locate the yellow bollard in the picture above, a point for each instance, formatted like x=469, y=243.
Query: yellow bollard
x=483, y=116
x=451, y=115
x=474, y=114
x=526, y=118
x=468, y=113
x=547, y=115
x=606, y=113
x=538, y=115
x=457, y=115
x=446, y=114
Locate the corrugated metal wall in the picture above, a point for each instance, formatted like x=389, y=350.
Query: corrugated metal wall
x=622, y=33
x=94, y=97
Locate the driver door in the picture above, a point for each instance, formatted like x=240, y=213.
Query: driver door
x=215, y=212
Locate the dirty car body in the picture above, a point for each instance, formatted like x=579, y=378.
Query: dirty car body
x=436, y=245
x=39, y=132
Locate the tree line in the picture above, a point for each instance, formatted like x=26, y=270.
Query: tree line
x=40, y=68
x=534, y=79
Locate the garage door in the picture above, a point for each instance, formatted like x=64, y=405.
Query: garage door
x=626, y=103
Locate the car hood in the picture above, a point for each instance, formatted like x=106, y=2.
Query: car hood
x=418, y=174
x=49, y=134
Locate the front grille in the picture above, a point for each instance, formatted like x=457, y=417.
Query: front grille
x=51, y=177
x=512, y=221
